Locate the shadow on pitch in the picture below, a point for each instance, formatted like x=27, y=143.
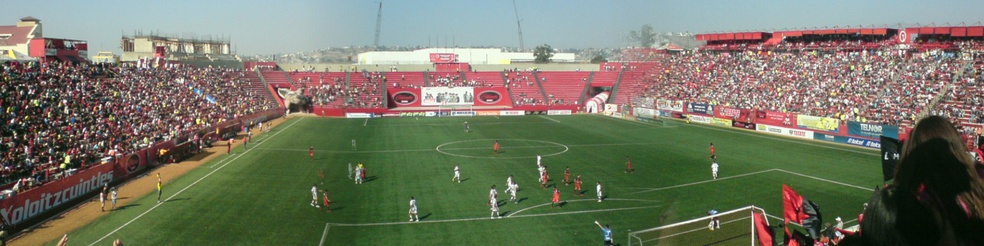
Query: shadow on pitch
x=424, y=217
x=177, y=199
x=126, y=206
x=521, y=200
x=465, y=179
x=371, y=178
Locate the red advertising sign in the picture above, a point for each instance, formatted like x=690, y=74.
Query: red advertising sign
x=31, y=203
x=442, y=57
x=775, y=118
x=492, y=96
x=736, y=114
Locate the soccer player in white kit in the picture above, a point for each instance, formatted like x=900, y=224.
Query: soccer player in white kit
x=457, y=174
x=314, y=195
x=599, y=191
x=538, y=157
x=413, y=210
x=492, y=195
x=513, y=187
x=358, y=177
x=714, y=169
x=495, y=207
x=541, y=169
x=113, y=196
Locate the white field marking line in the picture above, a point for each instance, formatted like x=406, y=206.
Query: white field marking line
x=473, y=148
x=578, y=200
x=826, y=180
x=366, y=122
x=541, y=116
x=767, y=137
x=749, y=174
x=487, y=218
x=324, y=234
x=496, y=117
x=693, y=230
x=182, y=190
x=701, y=182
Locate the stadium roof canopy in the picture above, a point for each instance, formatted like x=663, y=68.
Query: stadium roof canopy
x=953, y=31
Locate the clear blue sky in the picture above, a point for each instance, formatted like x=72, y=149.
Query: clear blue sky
x=271, y=27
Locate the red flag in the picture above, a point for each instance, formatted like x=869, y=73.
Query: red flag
x=765, y=234
x=792, y=205
x=789, y=239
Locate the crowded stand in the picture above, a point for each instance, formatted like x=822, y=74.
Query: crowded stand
x=60, y=117
x=366, y=90
x=879, y=86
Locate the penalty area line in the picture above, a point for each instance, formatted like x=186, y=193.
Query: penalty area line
x=486, y=218
x=541, y=116
x=324, y=234
x=182, y=190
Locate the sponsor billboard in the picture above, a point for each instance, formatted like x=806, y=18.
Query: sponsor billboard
x=867, y=130
x=497, y=96
x=442, y=57
x=487, y=113
x=561, y=112
x=671, y=105
x=436, y=96
x=818, y=123
x=700, y=119
x=511, y=112
x=700, y=108
x=739, y=124
x=404, y=97
x=785, y=131
x=665, y=113
x=868, y=143
x=743, y=115
x=358, y=115
x=720, y=122
x=645, y=113
x=775, y=118
x=462, y=113
x=416, y=114
x=31, y=203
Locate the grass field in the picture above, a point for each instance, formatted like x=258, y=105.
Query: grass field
x=261, y=195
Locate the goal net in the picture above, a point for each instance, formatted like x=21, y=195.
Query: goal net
x=455, y=110
x=734, y=227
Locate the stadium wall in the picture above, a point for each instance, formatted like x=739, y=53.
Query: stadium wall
x=33, y=206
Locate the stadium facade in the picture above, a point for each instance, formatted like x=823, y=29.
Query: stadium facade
x=480, y=56
x=25, y=41
x=140, y=46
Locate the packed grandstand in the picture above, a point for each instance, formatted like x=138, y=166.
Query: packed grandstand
x=63, y=117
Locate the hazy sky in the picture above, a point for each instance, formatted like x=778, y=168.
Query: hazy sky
x=271, y=27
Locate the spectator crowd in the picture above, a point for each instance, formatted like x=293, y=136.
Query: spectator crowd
x=61, y=116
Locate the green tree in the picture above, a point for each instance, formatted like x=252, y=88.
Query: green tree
x=646, y=37
x=542, y=54
x=598, y=59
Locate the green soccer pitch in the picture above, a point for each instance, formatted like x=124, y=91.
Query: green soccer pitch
x=261, y=195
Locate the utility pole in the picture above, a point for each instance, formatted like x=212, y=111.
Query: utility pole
x=522, y=47
x=379, y=20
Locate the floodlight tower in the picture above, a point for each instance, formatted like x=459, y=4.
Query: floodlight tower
x=379, y=20
x=518, y=26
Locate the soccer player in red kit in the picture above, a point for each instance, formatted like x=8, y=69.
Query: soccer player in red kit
x=628, y=165
x=712, y=149
x=543, y=180
x=311, y=152
x=577, y=185
x=556, y=197
x=495, y=147
x=324, y=193
x=567, y=176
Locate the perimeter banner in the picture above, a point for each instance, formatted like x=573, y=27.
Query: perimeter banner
x=458, y=96
x=700, y=108
x=818, y=123
x=33, y=202
x=671, y=105
x=866, y=130
x=775, y=118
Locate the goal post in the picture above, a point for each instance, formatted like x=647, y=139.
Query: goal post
x=455, y=110
x=736, y=226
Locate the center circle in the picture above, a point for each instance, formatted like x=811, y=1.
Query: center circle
x=507, y=147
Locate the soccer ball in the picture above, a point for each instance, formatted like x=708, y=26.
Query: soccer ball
x=317, y=206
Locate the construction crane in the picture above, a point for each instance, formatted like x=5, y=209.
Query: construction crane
x=520, y=27
x=379, y=20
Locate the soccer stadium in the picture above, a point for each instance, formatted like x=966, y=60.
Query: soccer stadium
x=789, y=136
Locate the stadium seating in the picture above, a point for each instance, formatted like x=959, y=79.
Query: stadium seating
x=405, y=80
x=103, y=115
x=524, y=88
x=563, y=88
